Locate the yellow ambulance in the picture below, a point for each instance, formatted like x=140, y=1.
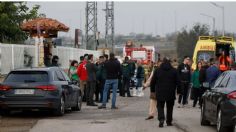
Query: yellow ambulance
x=211, y=47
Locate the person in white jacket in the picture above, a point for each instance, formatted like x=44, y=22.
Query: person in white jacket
x=153, y=101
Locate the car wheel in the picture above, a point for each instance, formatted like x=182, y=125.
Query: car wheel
x=204, y=122
x=78, y=104
x=61, y=108
x=219, y=126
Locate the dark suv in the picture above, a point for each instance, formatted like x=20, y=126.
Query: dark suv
x=39, y=88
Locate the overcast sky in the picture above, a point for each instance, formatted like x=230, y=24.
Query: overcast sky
x=148, y=17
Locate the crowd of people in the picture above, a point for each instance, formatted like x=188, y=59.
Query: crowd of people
x=98, y=78
x=166, y=79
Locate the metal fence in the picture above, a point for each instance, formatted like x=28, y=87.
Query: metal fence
x=13, y=56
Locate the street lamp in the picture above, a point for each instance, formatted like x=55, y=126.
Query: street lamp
x=213, y=18
x=223, y=14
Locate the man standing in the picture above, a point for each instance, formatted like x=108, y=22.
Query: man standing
x=91, y=82
x=212, y=73
x=184, y=72
x=164, y=82
x=100, y=79
x=82, y=73
x=112, y=67
x=126, y=74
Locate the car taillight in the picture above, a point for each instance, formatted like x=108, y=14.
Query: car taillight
x=4, y=88
x=231, y=95
x=47, y=87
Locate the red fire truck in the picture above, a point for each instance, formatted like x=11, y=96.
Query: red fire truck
x=144, y=53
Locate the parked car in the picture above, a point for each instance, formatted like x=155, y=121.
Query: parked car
x=219, y=103
x=39, y=88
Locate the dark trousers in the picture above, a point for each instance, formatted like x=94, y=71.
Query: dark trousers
x=97, y=91
x=196, y=96
x=90, y=89
x=125, y=87
x=102, y=83
x=183, y=97
x=169, y=110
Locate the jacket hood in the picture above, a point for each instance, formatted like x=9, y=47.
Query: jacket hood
x=166, y=66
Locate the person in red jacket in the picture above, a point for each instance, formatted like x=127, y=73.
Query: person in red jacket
x=82, y=73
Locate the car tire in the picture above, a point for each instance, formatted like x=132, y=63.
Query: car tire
x=60, y=110
x=78, y=104
x=204, y=122
x=219, y=126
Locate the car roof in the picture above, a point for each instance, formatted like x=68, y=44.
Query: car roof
x=38, y=69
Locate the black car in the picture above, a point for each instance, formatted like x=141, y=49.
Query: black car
x=39, y=88
x=219, y=103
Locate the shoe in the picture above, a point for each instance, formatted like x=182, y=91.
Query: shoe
x=169, y=124
x=179, y=105
x=114, y=108
x=161, y=124
x=129, y=96
x=149, y=118
x=102, y=107
x=92, y=104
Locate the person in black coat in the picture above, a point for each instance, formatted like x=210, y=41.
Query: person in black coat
x=165, y=81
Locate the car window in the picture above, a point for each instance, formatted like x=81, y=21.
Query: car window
x=59, y=76
x=224, y=82
x=65, y=76
x=218, y=80
x=27, y=76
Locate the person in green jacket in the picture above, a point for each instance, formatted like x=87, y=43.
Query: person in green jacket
x=73, y=71
x=196, y=84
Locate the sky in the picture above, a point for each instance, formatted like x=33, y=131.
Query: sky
x=156, y=18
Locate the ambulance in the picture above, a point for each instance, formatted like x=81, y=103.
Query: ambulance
x=211, y=47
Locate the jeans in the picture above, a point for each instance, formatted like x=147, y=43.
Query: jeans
x=110, y=83
x=140, y=82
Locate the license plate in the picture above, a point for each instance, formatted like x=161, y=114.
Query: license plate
x=24, y=91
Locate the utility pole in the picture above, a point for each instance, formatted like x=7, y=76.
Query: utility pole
x=91, y=25
x=213, y=18
x=223, y=15
x=109, y=36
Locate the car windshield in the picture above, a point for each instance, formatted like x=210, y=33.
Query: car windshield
x=27, y=76
x=205, y=55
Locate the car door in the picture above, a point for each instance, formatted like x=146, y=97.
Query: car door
x=218, y=93
x=208, y=96
x=63, y=84
x=73, y=88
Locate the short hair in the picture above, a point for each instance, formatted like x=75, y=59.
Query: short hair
x=101, y=57
x=73, y=62
x=166, y=59
x=90, y=56
x=185, y=57
x=126, y=58
x=81, y=58
x=106, y=56
x=112, y=56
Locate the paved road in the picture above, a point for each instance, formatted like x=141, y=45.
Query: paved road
x=128, y=118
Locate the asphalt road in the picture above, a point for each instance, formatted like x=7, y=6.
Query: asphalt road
x=130, y=117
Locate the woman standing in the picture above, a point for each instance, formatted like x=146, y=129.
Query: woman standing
x=196, y=84
x=73, y=71
x=153, y=100
x=140, y=77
